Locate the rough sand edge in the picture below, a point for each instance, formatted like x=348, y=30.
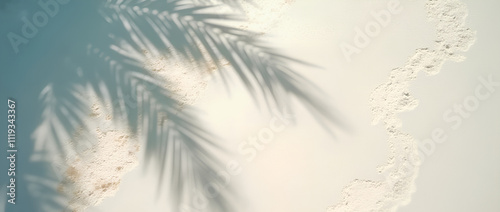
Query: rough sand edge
x=393, y=97
x=94, y=171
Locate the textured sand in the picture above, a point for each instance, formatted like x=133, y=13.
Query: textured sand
x=393, y=97
x=183, y=78
x=108, y=153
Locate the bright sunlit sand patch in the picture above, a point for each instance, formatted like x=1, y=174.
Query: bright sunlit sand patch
x=183, y=78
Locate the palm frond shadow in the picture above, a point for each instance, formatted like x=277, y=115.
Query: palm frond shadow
x=64, y=110
x=199, y=34
x=185, y=152
x=187, y=155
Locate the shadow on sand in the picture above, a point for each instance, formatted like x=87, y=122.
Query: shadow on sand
x=110, y=61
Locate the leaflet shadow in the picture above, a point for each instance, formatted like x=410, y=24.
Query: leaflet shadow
x=108, y=59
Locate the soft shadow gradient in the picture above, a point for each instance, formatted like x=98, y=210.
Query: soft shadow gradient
x=187, y=155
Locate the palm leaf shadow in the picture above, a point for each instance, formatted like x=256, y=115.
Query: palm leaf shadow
x=197, y=33
x=186, y=153
x=65, y=109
